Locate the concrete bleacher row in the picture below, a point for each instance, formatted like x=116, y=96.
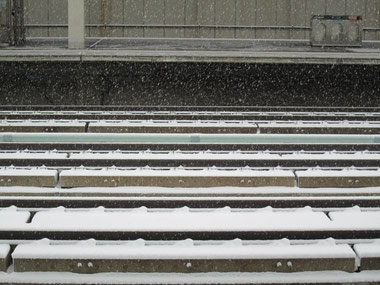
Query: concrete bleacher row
x=188, y=256
x=153, y=213
x=181, y=223
x=188, y=177
x=230, y=256
x=291, y=159
x=188, y=126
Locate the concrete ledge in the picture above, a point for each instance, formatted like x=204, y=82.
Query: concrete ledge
x=190, y=50
x=28, y=177
x=338, y=179
x=42, y=129
x=37, y=181
x=338, y=182
x=177, y=57
x=370, y=263
x=43, y=126
x=87, y=266
x=179, y=181
x=183, y=130
x=4, y=257
x=175, y=178
x=182, y=257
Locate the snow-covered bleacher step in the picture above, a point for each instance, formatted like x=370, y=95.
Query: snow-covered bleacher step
x=34, y=176
x=369, y=255
x=206, y=158
x=219, y=177
x=192, y=126
x=220, y=114
x=318, y=127
x=189, y=177
x=11, y=216
x=163, y=126
x=32, y=155
x=176, y=177
x=52, y=126
x=183, y=257
x=182, y=223
x=216, y=155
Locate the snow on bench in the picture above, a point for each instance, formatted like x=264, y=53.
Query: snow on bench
x=177, y=155
x=188, y=220
x=183, y=256
x=220, y=155
x=12, y=217
x=358, y=218
x=32, y=155
x=164, y=126
x=318, y=127
x=175, y=177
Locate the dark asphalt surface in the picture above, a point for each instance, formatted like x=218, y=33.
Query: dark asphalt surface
x=198, y=84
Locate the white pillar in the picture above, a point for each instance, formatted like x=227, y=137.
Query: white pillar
x=76, y=24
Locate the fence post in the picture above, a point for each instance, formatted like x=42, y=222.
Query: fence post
x=17, y=29
x=76, y=24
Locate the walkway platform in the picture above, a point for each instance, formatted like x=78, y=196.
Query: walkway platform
x=191, y=50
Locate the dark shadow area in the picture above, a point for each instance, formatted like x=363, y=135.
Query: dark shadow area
x=202, y=84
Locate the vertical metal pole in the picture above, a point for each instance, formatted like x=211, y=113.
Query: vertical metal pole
x=76, y=24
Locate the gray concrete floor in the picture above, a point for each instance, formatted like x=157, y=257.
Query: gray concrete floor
x=193, y=50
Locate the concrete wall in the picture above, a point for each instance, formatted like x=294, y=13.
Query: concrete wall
x=198, y=18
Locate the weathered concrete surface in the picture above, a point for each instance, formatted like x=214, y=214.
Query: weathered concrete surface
x=183, y=266
x=4, y=262
x=44, y=128
x=68, y=181
x=339, y=182
x=325, y=129
x=37, y=181
x=173, y=129
x=370, y=263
